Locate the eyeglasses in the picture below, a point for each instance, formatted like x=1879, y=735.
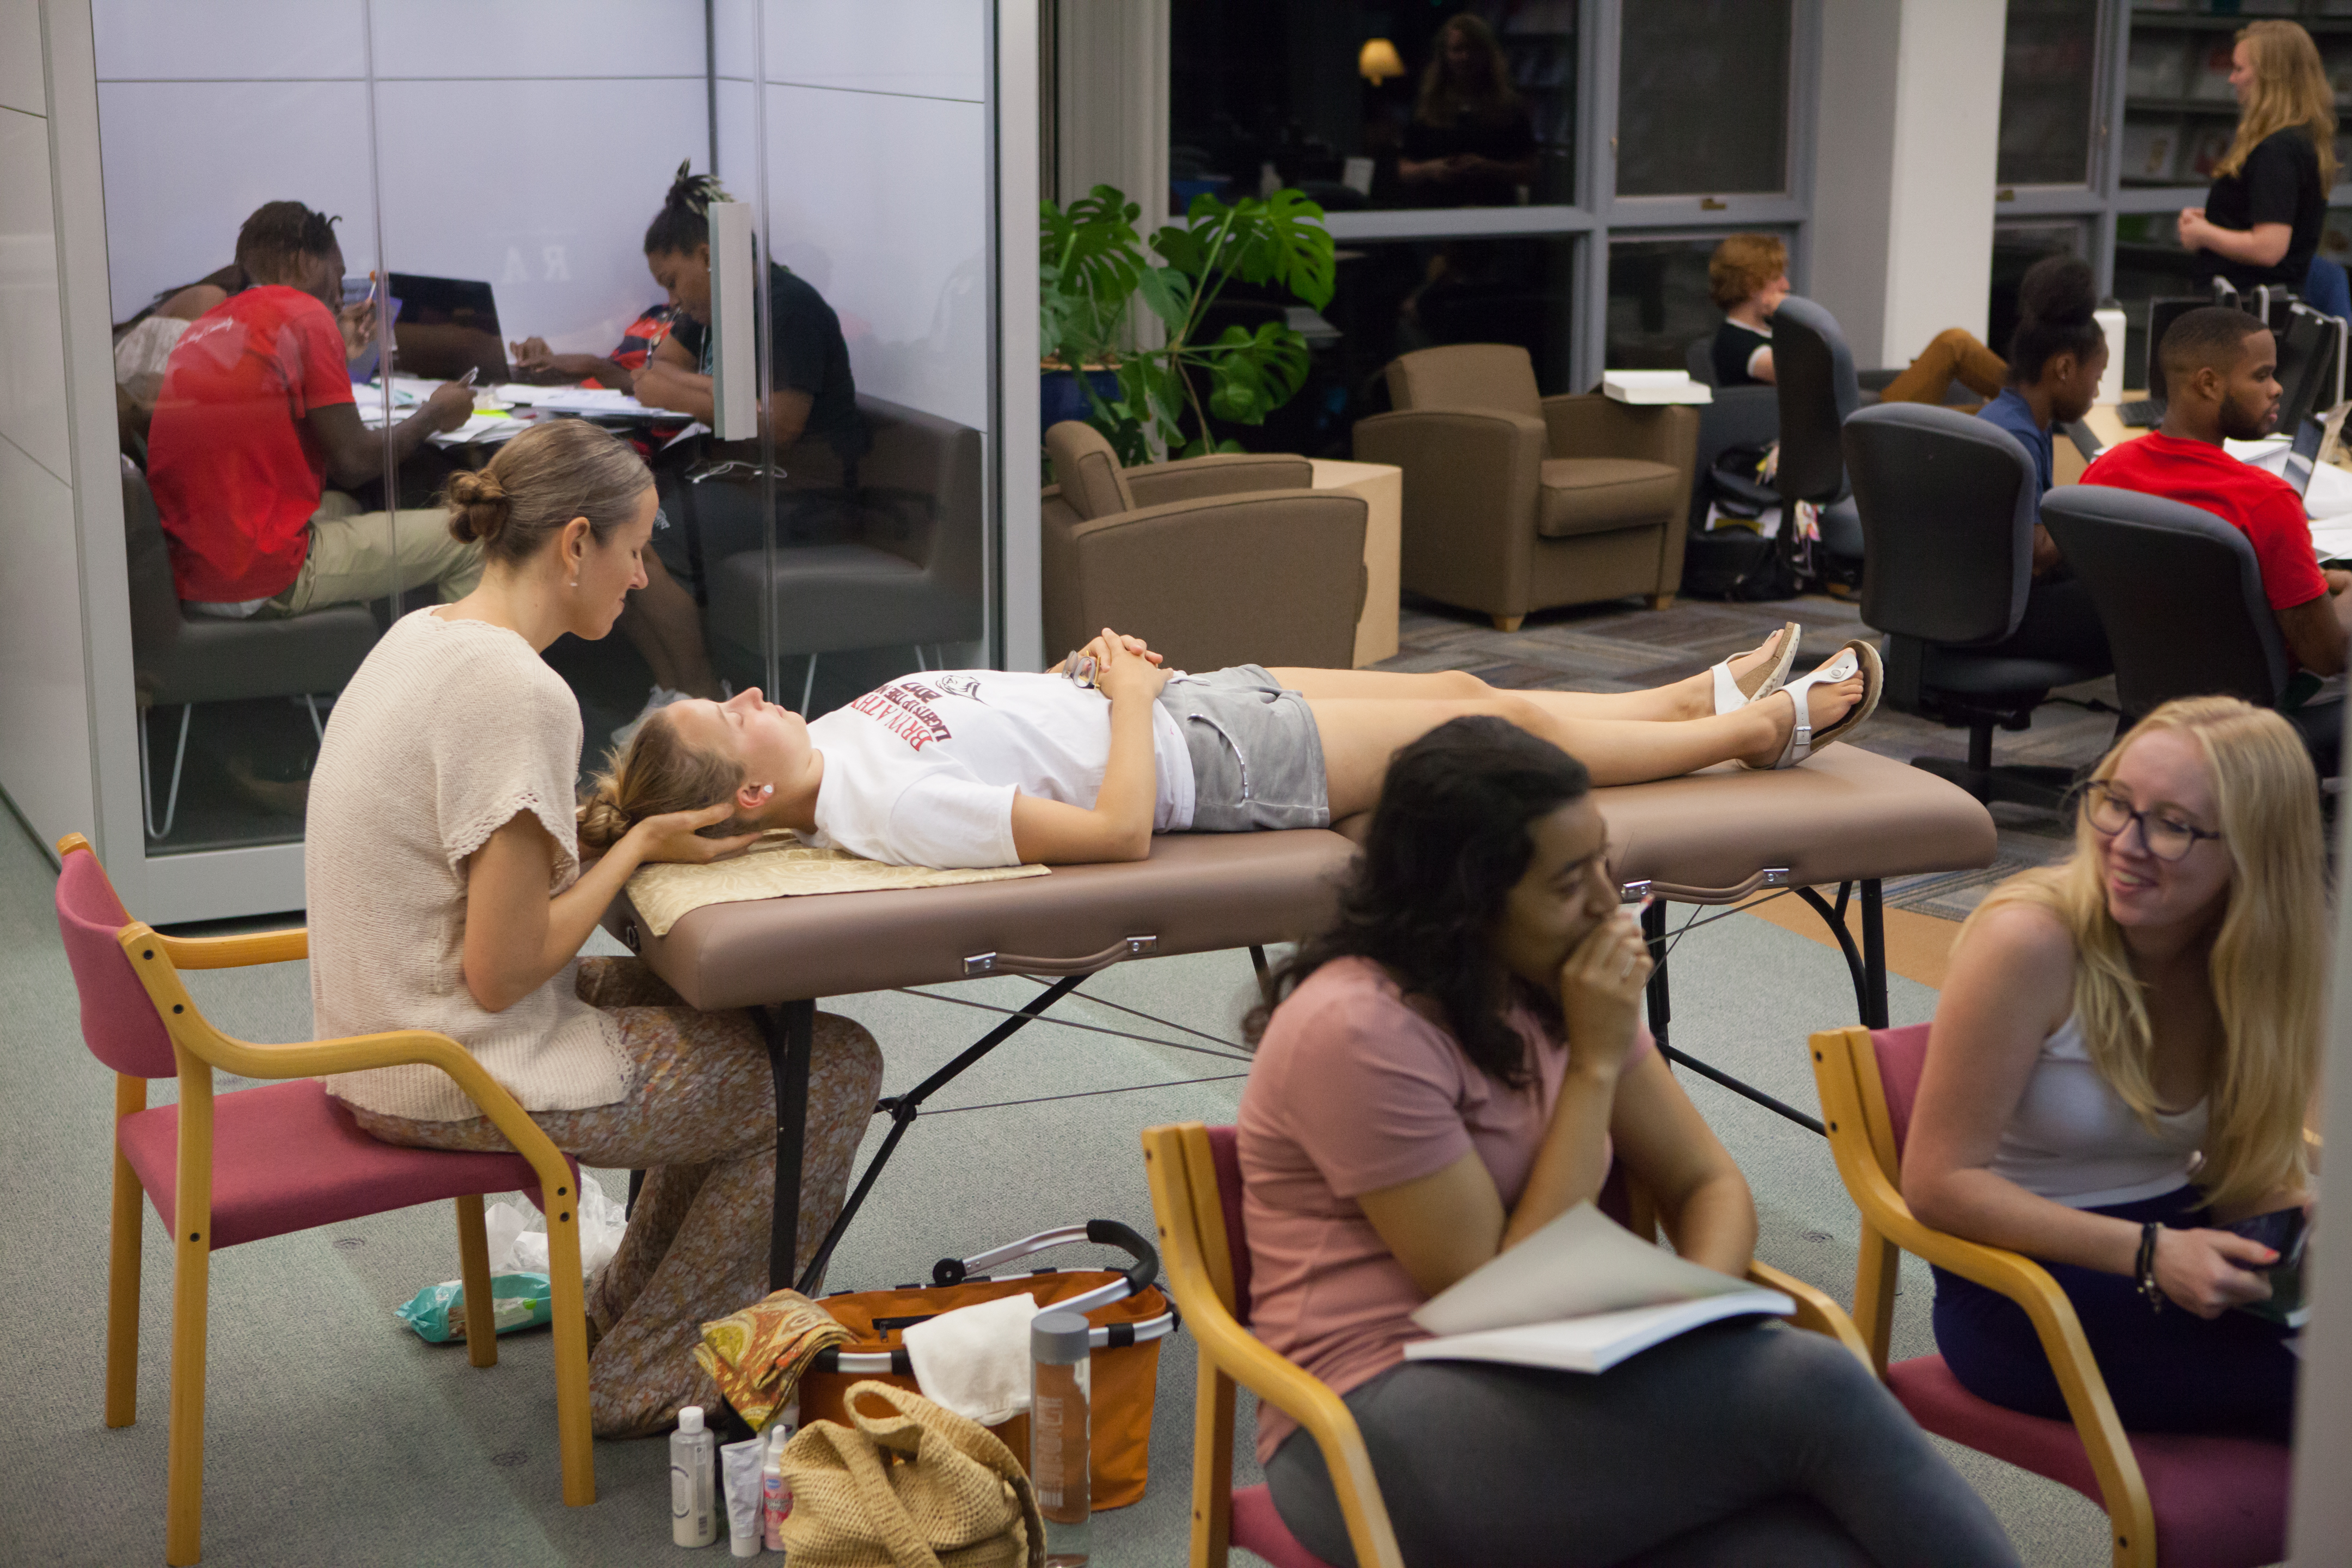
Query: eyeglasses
x=2166, y=837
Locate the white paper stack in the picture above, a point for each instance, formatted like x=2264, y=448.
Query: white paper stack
x=1580, y=1294
x=1656, y=386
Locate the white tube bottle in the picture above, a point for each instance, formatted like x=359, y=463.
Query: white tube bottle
x=691, y=1450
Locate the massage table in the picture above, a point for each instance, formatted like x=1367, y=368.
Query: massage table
x=1847, y=819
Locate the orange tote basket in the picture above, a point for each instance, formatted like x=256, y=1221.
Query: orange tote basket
x=1128, y=1314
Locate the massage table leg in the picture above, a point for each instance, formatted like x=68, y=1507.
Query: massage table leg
x=901, y=1109
x=1867, y=966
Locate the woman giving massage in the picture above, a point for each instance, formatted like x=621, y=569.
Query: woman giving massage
x=984, y=767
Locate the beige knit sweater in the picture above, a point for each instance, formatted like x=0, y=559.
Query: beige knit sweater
x=449, y=730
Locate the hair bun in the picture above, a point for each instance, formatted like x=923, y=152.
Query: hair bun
x=2058, y=290
x=478, y=507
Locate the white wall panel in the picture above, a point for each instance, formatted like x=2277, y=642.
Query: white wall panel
x=20, y=57
x=881, y=202
x=522, y=38
x=936, y=48
x=185, y=162
x=734, y=32
x=738, y=138
x=554, y=220
x=1946, y=149
x=45, y=766
x=33, y=368
x=213, y=40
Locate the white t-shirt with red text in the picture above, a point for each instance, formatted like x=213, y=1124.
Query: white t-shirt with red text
x=923, y=772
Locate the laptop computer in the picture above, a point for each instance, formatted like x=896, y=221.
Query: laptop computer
x=447, y=327
x=2310, y=434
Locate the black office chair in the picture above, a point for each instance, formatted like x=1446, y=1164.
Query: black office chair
x=1699, y=359
x=2182, y=595
x=1813, y=375
x=1946, y=506
x=181, y=658
x=914, y=574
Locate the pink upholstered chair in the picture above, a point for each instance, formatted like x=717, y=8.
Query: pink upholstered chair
x=257, y=1163
x=1196, y=1200
x=2185, y=1501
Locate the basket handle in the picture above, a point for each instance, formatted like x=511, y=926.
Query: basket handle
x=1140, y=1276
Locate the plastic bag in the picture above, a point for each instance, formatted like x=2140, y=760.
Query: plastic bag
x=437, y=1312
x=518, y=1232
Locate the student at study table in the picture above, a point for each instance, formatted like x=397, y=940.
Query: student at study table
x=2057, y=357
x=812, y=413
x=2221, y=378
x=256, y=415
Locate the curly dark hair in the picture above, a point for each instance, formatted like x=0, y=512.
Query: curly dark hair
x=683, y=221
x=276, y=235
x=1448, y=842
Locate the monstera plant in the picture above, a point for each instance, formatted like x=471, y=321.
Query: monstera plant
x=1096, y=267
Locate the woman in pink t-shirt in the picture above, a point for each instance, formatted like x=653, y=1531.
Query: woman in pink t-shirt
x=1452, y=1067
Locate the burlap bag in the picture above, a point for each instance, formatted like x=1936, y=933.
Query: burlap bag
x=917, y=1486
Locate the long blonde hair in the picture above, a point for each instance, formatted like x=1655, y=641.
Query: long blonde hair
x=2268, y=959
x=1440, y=102
x=2290, y=90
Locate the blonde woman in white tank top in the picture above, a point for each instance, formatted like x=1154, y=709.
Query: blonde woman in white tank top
x=2119, y=1070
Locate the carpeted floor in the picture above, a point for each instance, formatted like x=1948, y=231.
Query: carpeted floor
x=336, y=1436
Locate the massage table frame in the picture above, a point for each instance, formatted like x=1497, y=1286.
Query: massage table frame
x=1881, y=817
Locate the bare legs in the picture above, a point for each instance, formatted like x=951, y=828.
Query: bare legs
x=1362, y=725
x=660, y=619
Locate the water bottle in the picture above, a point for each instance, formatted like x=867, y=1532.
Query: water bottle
x=1061, y=1445
x=691, y=1520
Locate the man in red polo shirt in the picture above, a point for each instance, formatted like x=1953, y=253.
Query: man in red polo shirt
x=256, y=415
x=2220, y=379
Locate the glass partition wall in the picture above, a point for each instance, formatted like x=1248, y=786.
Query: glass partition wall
x=490, y=174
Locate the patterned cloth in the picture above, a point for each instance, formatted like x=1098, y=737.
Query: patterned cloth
x=756, y=1356
x=701, y=1123
x=781, y=866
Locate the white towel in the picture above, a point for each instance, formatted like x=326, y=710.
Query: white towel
x=975, y=1360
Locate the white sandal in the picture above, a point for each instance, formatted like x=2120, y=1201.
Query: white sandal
x=1732, y=693
x=1856, y=658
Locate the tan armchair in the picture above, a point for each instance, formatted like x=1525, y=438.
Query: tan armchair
x=1213, y=560
x=1516, y=503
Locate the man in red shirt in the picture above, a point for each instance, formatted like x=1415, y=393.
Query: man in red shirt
x=255, y=415
x=2221, y=377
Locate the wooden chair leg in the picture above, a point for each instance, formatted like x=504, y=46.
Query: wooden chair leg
x=574, y=1436
x=126, y=1231
x=184, y=1516
x=1873, y=1294
x=1212, y=1466
x=1507, y=623
x=1662, y=601
x=474, y=1269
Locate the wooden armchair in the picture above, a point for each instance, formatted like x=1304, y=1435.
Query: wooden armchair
x=2193, y=1502
x=1194, y=1172
x=251, y=1163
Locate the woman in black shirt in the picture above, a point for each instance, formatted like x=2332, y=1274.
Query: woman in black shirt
x=2261, y=222
x=1469, y=144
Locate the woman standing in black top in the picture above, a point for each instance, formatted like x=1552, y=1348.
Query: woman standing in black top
x=2261, y=222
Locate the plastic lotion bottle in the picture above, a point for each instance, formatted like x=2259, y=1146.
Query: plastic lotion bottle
x=691, y=1522
x=1061, y=1443
x=775, y=1492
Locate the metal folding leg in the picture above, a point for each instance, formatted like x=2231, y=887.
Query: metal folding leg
x=1867, y=966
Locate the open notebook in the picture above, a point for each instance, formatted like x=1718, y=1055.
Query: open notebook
x=1580, y=1294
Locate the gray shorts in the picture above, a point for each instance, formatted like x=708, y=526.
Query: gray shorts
x=1257, y=758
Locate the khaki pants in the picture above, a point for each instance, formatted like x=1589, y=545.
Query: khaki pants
x=357, y=555
x=1954, y=355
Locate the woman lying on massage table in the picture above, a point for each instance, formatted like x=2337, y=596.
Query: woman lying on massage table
x=988, y=768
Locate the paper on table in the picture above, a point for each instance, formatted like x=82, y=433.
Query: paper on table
x=1581, y=1264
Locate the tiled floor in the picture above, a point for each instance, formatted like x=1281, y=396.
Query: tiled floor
x=1621, y=647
